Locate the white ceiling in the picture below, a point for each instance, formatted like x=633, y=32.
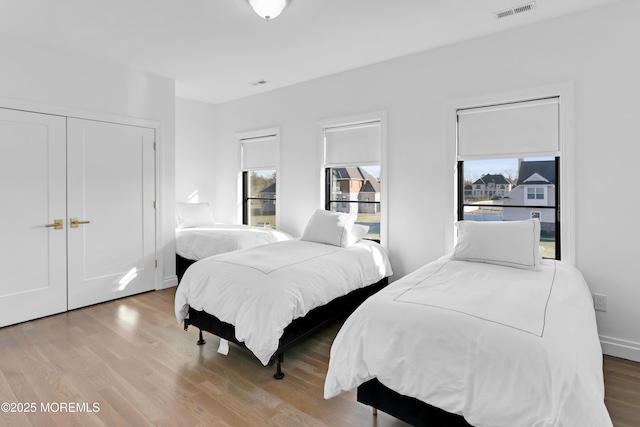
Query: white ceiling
x=215, y=49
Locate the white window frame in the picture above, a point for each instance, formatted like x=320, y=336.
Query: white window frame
x=254, y=134
x=380, y=116
x=565, y=92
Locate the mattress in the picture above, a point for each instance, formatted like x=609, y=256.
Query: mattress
x=499, y=345
x=200, y=242
x=262, y=289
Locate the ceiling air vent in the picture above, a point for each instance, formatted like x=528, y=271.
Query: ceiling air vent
x=259, y=83
x=515, y=10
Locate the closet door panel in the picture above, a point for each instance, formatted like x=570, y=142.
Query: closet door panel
x=33, y=257
x=111, y=193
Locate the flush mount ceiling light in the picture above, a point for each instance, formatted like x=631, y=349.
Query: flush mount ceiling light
x=268, y=9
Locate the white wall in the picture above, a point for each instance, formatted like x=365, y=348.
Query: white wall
x=595, y=51
x=36, y=76
x=195, y=152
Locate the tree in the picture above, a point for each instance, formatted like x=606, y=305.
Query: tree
x=511, y=175
x=471, y=178
x=259, y=182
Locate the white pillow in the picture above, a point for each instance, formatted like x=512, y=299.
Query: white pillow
x=193, y=214
x=358, y=231
x=332, y=228
x=508, y=243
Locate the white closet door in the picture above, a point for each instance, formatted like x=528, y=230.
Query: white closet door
x=111, y=192
x=33, y=257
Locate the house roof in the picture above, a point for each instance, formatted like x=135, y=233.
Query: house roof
x=358, y=174
x=546, y=170
x=269, y=189
x=490, y=178
x=370, y=187
x=352, y=172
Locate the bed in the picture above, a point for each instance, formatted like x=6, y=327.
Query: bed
x=269, y=297
x=489, y=335
x=199, y=236
x=196, y=243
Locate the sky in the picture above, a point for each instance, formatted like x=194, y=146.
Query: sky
x=373, y=170
x=265, y=173
x=477, y=168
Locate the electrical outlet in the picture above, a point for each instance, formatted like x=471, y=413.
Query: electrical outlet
x=600, y=302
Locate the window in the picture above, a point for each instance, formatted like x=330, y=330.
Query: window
x=535, y=193
x=259, y=207
x=514, y=147
x=259, y=154
x=521, y=202
x=352, y=166
x=358, y=192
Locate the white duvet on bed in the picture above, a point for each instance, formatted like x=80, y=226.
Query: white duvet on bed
x=261, y=290
x=200, y=242
x=499, y=345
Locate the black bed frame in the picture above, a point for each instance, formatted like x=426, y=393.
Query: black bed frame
x=181, y=266
x=297, y=330
x=407, y=409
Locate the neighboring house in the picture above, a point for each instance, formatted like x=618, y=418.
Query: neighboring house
x=490, y=186
x=468, y=191
x=268, y=200
x=536, y=186
x=355, y=184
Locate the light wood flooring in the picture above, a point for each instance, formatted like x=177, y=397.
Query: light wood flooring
x=132, y=359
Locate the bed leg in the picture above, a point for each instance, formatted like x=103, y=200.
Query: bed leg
x=201, y=341
x=375, y=411
x=279, y=375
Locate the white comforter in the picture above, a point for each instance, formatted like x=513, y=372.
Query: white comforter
x=498, y=345
x=201, y=242
x=261, y=290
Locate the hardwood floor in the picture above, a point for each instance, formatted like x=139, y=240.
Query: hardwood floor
x=622, y=391
x=128, y=362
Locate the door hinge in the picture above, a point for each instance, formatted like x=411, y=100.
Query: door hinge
x=154, y=146
x=154, y=204
x=156, y=263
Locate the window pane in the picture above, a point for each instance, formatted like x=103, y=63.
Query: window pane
x=486, y=200
x=261, y=198
x=357, y=189
x=369, y=216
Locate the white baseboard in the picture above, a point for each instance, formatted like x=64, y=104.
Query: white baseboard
x=169, y=282
x=620, y=348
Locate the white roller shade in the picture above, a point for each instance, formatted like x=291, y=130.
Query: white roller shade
x=509, y=130
x=260, y=153
x=353, y=145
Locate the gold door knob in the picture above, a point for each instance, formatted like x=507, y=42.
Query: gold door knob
x=75, y=222
x=58, y=224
